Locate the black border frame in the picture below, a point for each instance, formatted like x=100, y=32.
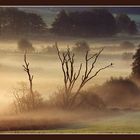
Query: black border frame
x=70, y=136
x=69, y=2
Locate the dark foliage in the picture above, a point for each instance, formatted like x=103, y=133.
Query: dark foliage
x=16, y=22
x=90, y=100
x=127, y=45
x=49, y=49
x=119, y=92
x=125, y=24
x=98, y=22
x=136, y=64
x=86, y=100
x=81, y=47
x=25, y=45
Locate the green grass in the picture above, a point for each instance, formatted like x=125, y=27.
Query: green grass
x=128, y=123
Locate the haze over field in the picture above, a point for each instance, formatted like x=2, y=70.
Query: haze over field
x=69, y=69
x=47, y=70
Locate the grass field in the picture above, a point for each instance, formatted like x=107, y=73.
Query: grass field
x=125, y=123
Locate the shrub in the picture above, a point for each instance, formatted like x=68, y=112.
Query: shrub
x=91, y=100
x=127, y=55
x=22, y=98
x=49, y=49
x=86, y=100
x=127, y=45
x=57, y=99
x=81, y=47
x=120, y=93
x=25, y=45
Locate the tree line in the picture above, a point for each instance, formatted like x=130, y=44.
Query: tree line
x=96, y=22
x=14, y=22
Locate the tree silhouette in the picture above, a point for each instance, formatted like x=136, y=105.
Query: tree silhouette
x=25, y=98
x=30, y=77
x=125, y=24
x=97, y=22
x=71, y=76
x=127, y=45
x=16, y=22
x=136, y=65
x=25, y=45
x=61, y=23
x=81, y=47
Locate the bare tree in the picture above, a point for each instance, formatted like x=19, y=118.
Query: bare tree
x=25, y=98
x=30, y=77
x=71, y=76
x=21, y=98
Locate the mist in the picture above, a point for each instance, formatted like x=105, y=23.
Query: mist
x=69, y=70
x=46, y=67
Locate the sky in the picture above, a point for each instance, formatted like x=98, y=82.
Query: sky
x=49, y=13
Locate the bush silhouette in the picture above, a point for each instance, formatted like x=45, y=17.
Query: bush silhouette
x=25, y=45
x=81, y=47
x=121, y=93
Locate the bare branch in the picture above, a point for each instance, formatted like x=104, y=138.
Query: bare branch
x=30, y=77
x=92, y=57
x=85, y=78
x=78, y=71
x=99, y=71
x=96, y=57
x=58, y=52
x=70, y=76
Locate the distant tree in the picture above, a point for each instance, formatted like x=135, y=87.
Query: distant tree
x=136, y=65
x=49, y=49
x=103, y=22
x=132, y=27
x=25, y=45
x=127, y=55
x=36, y=23
x=127, y=45
x=97, y=22
x=81, y=47
x=61, y=23
x=125, y=24
x=14, y=21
